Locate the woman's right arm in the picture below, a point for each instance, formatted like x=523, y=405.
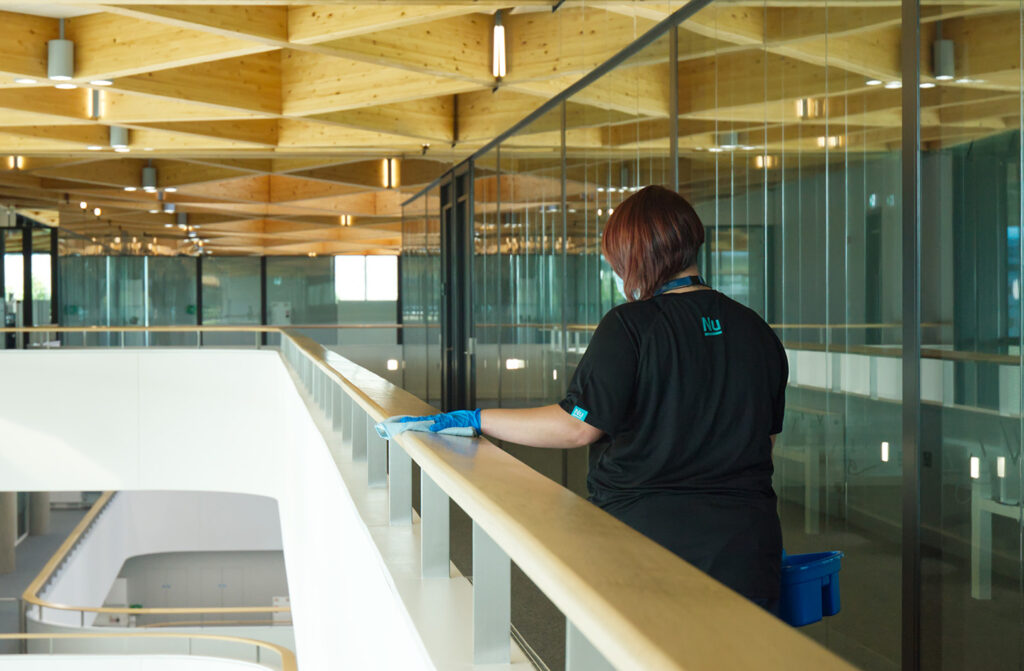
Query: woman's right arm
x=546, y=426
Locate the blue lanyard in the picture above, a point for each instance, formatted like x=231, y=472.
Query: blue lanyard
x=681, y=282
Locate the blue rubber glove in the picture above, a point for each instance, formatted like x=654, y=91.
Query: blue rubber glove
x=449, y=420
x=457, y=418
x=421, y=418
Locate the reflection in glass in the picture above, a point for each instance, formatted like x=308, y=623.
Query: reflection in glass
x=170, y=293
x=231, y=295
x=971, y=304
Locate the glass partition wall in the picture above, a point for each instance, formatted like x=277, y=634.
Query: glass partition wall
x=785, y=127
x=354, y=291
x=971, y=509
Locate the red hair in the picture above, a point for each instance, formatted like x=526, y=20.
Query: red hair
x=651, y=237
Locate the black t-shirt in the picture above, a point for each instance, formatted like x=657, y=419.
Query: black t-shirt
x=688, y=388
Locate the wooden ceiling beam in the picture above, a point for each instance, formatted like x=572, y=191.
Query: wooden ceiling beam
x=23, y=51
x=251, y=165
x=429, y=119
x=250, y=189
x=159, y=140
x=111, y=46
x=287, y=189
x=47, y=102
x=18, y=144
x=312, y=24
x=10, y=117
x=181, y=173
x=573, y=40
x=263, y=23
x=641, y=90
x=250, y=83
x=140, y=108
x=120, y=173
x=84, y=135
x=317, y=84
x=262, y=132
x=456, y=47
x=295, y=133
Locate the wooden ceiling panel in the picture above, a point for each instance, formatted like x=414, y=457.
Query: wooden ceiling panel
x=250, y=83
x=110, y=46
x=268, y=121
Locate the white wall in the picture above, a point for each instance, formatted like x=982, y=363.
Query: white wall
x=206, y=580
x=215, y=420
x=142, y=523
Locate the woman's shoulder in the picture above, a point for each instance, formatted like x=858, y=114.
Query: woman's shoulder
x=634, y=312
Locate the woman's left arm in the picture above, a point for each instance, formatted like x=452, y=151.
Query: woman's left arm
x=546, y=426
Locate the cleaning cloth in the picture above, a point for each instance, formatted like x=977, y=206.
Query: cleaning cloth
x=392, y=426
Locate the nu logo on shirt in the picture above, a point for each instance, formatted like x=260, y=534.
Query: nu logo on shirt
x=712, y=327
x=579, y=413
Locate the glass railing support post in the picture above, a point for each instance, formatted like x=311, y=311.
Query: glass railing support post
x=329, y=387
x=346, y=420
x=376, y=457
x=399, y=485
x=580, y=653
x=434, y=529
x=317, y=387
x=359, y=427
x=492, y=600
x=337, y=406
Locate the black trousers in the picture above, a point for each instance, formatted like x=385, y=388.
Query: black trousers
x=737, y=540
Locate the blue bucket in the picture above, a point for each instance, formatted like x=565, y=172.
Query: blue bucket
x=810, y=587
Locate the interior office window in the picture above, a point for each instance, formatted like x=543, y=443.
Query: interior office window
x=366, y=278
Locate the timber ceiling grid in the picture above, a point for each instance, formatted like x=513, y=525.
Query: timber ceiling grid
x=270, y=121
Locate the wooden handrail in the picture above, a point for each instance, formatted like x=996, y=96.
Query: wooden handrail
x=213, y=623
x=896, y=351
x=288, y=662
x=31, y=593
x=643, y=607
x=874, y=350
x=591, y=327
x=205, y=328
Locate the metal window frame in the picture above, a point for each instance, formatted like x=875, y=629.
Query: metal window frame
x=264, y=309
x=458, y=356
x=910, y=601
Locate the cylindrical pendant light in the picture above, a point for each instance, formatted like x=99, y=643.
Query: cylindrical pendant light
x=60, y=60
x=728, y=140
x=149, y=179
x=118, y=137
x=943, y=63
